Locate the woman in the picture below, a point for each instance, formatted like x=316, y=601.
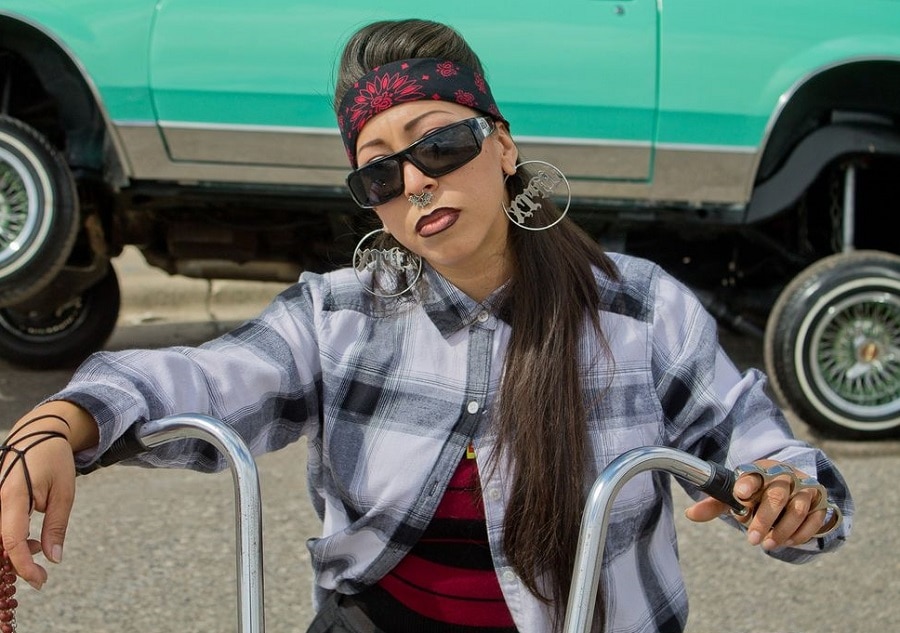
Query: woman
x=460, y=386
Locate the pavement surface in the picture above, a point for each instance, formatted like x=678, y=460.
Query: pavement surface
x=152, y=550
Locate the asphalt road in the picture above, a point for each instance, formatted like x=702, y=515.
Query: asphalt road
x=154, y=550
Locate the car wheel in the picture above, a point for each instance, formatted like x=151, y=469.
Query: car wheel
x=64, y=336
x=832, y=345
x=38, y=212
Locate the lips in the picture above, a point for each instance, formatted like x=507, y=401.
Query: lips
x=437, y=221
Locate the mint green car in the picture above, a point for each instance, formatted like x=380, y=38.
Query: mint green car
x=752, y=148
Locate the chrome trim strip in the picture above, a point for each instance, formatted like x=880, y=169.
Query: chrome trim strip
x=705, y=147
x=538, y=140
x=248, y=127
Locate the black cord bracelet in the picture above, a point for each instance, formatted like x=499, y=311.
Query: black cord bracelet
x=18, y=445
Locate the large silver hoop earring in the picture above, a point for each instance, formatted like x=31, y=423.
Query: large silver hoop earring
x=540, y=186
x=395, y=264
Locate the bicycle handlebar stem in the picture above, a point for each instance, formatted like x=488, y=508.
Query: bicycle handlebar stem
x=592, y=537
x=248, y=524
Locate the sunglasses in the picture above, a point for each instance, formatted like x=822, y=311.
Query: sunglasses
x=435, y=154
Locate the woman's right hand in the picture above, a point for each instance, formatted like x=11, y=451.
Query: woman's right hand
x=45, y=441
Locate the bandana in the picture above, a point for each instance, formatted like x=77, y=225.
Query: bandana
x=410, y=80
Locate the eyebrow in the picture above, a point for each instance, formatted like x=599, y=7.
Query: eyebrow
x=406, y=128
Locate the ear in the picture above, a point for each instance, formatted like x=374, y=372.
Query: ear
x=509, y=153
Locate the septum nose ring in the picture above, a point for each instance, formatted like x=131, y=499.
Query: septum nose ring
x=421, y=200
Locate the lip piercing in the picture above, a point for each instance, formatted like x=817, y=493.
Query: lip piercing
x=420, y=200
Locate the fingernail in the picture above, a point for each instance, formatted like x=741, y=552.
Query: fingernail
x=742, y=490
x=37, y=585
x=769, y=544
x=754, y=537
x=56, y=554
x=789, y=543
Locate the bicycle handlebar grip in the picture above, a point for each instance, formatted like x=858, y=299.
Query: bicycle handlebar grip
x=721, y=486
x=123, y=448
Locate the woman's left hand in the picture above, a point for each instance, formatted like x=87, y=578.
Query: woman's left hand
x=776, y=517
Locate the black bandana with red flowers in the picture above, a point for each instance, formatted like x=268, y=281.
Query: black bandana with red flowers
x=410, y=80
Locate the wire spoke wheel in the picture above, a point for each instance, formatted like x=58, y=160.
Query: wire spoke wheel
x=38, y=212
x=832, y=345
x=855, y=355
x=16, y=219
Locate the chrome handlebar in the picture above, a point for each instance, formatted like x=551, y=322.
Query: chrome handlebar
x=708, y=476
x=247, y=498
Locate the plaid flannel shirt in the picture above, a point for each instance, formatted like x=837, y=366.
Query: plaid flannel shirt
x=389, y=396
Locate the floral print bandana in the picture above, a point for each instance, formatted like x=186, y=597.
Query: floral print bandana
x=410, y=80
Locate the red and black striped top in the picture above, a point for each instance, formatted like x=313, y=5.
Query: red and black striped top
x=447, y=582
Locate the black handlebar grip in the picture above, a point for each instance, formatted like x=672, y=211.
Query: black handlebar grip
x=721, y=486
x=123, y=448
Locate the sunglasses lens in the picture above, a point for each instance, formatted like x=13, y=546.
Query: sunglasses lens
x=377, y=183
x=445, y=151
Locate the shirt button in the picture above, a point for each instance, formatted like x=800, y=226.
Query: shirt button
x=472, y=407
x=494, y=494
x=509, y=576
x=483, y=316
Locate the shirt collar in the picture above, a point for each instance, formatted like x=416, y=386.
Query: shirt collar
x=450, y=309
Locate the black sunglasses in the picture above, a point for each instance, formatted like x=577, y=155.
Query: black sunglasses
x=435, y=154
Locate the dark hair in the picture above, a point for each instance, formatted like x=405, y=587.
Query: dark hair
x=541, y=410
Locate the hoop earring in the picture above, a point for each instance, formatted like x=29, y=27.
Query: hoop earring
x=540, y=186
x=395, y=262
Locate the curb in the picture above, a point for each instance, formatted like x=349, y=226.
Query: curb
x=150, y=295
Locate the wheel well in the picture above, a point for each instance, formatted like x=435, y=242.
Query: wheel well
x=866, y=91
x=42, y=86
x=846, y=114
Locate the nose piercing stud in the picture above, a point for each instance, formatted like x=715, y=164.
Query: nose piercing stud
x=420, y=200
